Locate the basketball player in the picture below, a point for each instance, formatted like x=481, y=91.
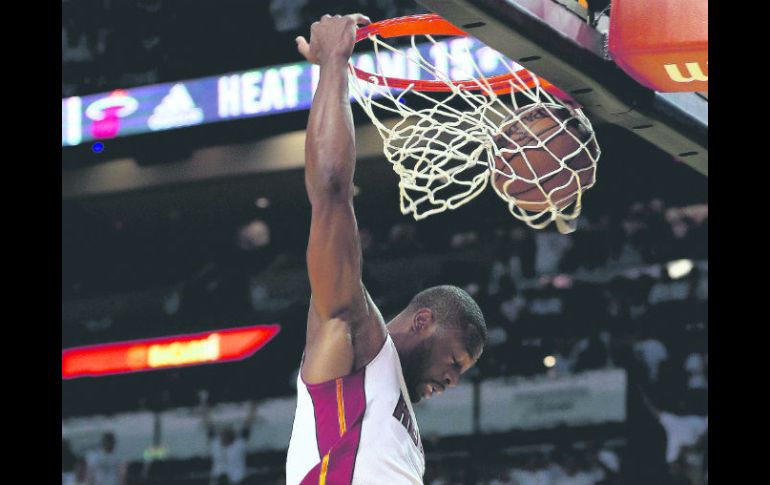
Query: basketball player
x=354, y=421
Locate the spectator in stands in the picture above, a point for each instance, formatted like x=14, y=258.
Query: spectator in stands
x=228, y=452
x=652, y=352
x=103, y=465
x=682, y=431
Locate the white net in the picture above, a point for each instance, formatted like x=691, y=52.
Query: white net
x=446, y=147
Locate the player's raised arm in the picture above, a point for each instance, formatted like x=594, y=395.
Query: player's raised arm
x=339, y=302
x=334, y=253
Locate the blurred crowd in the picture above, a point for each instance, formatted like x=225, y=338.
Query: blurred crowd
x=633, y=299
x=583, y=463
x=578, y=463
x=628, y=292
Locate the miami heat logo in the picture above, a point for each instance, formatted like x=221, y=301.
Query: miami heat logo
x=401, y=413
x=106, y=113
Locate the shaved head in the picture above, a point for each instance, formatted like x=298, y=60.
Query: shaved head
x=455, y=309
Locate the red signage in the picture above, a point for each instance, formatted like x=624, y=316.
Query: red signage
x=161, y=353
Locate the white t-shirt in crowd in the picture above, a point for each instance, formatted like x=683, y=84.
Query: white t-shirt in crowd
x=652, y=352
x=681, y=431
x=229, y=460
x=103, y=467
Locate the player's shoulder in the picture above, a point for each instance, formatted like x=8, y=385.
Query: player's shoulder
x=343, y=345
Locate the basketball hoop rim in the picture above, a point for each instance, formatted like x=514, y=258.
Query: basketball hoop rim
x=433, y=24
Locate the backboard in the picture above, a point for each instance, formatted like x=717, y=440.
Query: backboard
x=563, y=42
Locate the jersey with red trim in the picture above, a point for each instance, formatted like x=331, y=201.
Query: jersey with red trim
x=359, y=429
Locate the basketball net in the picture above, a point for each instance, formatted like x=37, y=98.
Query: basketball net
x=444, y=150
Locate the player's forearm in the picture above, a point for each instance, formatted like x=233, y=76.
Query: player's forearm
x=330, y=141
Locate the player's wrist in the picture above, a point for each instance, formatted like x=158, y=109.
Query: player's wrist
x=337, y=59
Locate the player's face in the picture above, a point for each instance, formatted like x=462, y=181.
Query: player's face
x=437, y=365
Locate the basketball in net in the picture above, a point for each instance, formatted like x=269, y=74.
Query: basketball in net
x=450, y=130
x=545, y=158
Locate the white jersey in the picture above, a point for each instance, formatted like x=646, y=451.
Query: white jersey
x=359, y=429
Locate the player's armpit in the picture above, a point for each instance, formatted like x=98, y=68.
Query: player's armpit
x=329, y=351
x=337, y=347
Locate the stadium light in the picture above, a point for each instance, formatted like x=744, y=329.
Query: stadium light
x=679, y=268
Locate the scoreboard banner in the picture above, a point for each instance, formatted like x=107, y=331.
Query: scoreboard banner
x=217, y=346
x=246, y=94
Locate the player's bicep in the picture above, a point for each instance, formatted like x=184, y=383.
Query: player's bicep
x=334, y=260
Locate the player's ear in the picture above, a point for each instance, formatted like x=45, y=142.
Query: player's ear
x=423, y=321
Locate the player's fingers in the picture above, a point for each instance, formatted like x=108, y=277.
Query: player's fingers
x=359, y=18
x=303, y=47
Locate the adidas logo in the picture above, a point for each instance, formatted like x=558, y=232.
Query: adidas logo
x=177, y=109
